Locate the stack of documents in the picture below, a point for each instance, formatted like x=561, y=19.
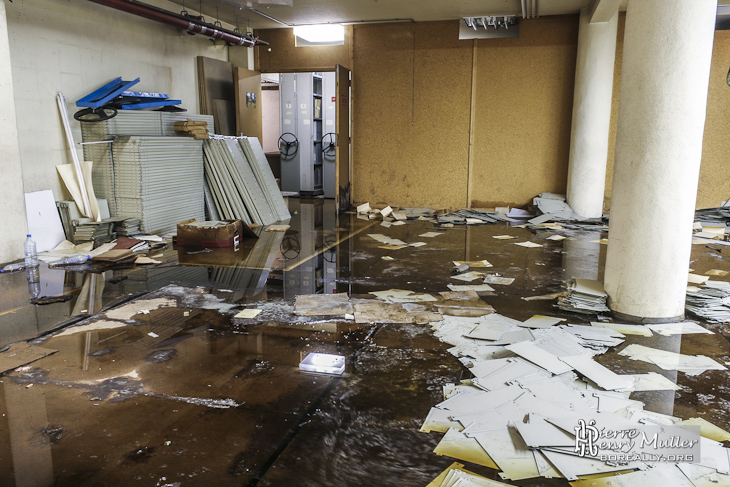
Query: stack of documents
x=710, y=303
x=554, y=205
x=584, y=296
x=472, y=216
x=99, y=232
x=129, y=227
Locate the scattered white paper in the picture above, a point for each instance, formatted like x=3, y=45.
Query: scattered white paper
x=504, y=281
x=528, y=244
x=248, y=313
x=541, y=321
x=697, y=279
x=468, y=276
x=684, y=328
x=473, y=263
x=626, y=329
x=470, y=287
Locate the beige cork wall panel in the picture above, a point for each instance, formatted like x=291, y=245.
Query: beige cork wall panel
x=411, y=102
x=714, y=186
x=281, y=55
x=523, y=112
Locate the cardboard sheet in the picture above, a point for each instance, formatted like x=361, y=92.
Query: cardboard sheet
x=20, y=354
x=44, y=223
x=541, y=321
x=322, y=305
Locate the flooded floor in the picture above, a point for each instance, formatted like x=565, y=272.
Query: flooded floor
x=159, y=385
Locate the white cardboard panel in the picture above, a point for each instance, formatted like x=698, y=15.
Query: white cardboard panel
x=44, y=223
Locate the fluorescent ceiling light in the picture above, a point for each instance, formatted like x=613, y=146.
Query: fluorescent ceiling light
x=321, y=34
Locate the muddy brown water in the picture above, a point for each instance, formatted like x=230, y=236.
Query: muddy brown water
x=187, y=394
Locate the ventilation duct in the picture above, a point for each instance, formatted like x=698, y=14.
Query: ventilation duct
x=189, y=24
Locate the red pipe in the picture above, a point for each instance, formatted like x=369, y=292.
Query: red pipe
x=185, y=23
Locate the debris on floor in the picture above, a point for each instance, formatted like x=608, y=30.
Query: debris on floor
x=472, y=216
x=401, y=296
x=248, y=313
x=626, y=329
x=584, y=296
x=709, y=302
x=689, y=364
x=473, y=263
x=380, y=312
x=528, y=244
x=322, y=305
x=94, y=326
x=127, y=311
x=523, y=408
x=462, y=303
x=277, y=228
x=20, y=354
x=470, y=287
x=469, y=276
x=457, y=476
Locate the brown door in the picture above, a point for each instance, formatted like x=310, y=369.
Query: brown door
x=342, y=153
x=247, y=86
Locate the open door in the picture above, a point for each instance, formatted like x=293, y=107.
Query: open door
x=247, y=86
x=342, y=154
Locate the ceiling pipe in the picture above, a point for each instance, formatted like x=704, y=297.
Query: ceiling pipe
x=188, y=24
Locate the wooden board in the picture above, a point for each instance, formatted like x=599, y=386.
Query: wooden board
x=247, y=89
x=342, y=152
x=215, y=82
x=224, y=117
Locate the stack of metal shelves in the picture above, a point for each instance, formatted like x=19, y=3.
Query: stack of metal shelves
x=158, y=180
x=127, y=122
x=241, y=183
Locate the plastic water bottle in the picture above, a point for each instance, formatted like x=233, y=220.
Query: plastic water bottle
x=31, y=255
x=74, y=259
x=13, y=267
x=34, y=282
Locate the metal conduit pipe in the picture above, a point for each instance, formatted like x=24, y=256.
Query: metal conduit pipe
x=188, y=24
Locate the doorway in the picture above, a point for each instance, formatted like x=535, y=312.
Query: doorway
x=305, y=132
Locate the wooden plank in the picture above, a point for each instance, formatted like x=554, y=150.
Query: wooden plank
x=342, y=153
x=215, y=82
x=224, y=114
x=247, y=91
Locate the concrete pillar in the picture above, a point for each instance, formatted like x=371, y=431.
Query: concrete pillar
x=591, y=114
x=666, y=69
x=12, y=200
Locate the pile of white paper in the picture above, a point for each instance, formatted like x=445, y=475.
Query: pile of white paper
x=519, y=412
x=584, y=296
x=710, y=302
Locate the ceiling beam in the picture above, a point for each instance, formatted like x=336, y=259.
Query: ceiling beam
x=603, y=10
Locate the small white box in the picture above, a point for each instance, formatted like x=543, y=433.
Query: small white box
x=324, y=363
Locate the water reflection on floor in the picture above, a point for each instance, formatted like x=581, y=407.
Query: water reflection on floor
x=187, y=394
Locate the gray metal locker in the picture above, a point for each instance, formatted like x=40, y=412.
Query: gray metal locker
x=301, y=122
x=289, y=151
x=329, y=140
